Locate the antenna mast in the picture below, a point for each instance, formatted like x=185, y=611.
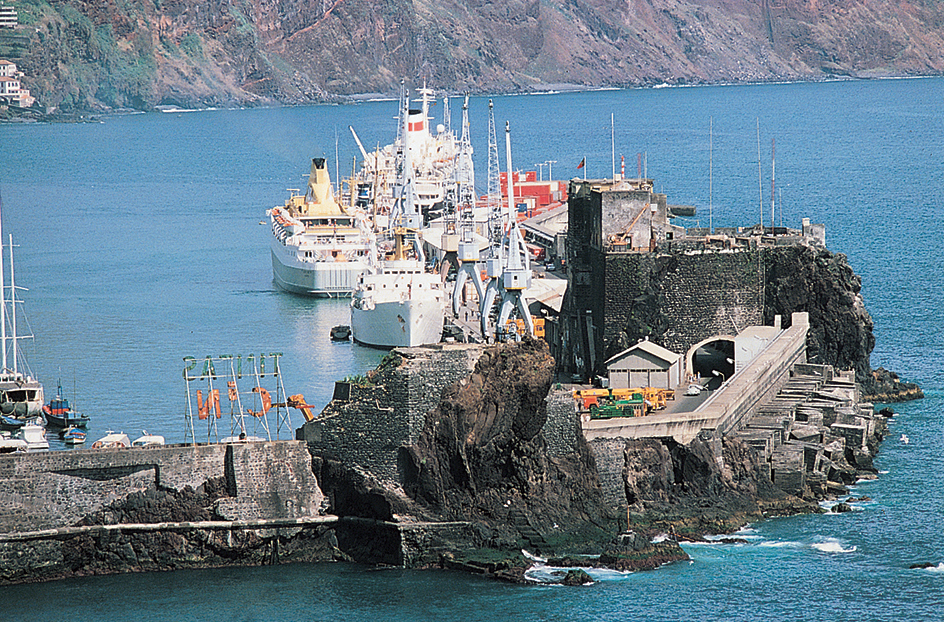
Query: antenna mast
x=710, y=171
x=613, y=144
x=773, y=179
x=3, y=300
x=760, y=183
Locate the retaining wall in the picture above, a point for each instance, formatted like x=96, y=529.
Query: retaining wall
x=50, y=489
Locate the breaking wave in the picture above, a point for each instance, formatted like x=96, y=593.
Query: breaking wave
x=832, y=545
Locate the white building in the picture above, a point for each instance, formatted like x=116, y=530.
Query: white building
x=8, y=18
x=10, y=90
x=645, y=364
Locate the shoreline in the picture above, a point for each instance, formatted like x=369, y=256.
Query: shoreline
x=97, y=116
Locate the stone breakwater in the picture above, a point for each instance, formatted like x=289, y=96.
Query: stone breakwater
x=501, y=465
x=103, y=511
x=453, y=456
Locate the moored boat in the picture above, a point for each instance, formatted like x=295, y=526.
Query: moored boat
x=148, y=440
x=318, y=246
x=341, y=332
x=432, y=156
x=9, y=444
x=34, y=434
x=73, y=436
x=112, y=440
x=21, y=396
x=60, y=414
x=399, y=305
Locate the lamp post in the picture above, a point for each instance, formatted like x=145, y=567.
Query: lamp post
x=715, y=372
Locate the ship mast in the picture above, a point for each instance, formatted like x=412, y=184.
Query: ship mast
x=3, y=298
x=13, y=309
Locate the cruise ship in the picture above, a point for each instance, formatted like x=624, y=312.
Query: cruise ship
x=318, y=247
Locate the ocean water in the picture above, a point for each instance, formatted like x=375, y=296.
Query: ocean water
x=140, y=242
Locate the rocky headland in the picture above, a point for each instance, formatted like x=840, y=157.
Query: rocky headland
x=83, y=56
x=484, y=459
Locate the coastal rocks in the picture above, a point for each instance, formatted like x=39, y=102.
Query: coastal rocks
x=683, y=490
x=886, y=387
x=479, y=481
x=482, y=455
x=822, y=283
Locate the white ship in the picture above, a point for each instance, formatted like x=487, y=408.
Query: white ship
x=399, y=304
x=433, y=158
x=318, y=247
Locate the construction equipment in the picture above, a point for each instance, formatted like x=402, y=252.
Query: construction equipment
x=654, y=398
x=298, y=401
x=632, y=407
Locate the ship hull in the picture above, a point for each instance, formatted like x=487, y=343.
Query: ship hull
x=324, y=279
x=398, y=323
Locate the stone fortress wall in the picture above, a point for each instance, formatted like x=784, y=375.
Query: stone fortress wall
x=53, y=489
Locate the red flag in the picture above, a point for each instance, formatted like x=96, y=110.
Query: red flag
x=582, y=162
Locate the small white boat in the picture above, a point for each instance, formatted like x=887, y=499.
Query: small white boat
x=148, y=440
x=34, y=435
x=8, y=444
x=112, y=440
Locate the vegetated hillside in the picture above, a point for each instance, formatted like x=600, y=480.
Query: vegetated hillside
x=86, y=54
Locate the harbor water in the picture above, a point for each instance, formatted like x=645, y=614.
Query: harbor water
x=142, y=239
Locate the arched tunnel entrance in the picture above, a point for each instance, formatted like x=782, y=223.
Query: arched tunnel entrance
x=713, y=361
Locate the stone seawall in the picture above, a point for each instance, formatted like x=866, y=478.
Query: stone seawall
x=66, y=513
x=51, y=489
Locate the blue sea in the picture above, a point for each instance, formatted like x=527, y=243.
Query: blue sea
x=140, y=240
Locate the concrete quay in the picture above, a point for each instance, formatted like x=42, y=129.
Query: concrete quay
x=732, y=404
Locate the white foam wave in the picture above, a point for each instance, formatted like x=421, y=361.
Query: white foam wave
x=831, y=545
x=541, y=573
x=777, y=544
x=938, y=568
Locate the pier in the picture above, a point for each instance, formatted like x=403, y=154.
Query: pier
x=730, y=405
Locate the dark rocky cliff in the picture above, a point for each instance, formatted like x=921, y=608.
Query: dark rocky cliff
x=815, y=280
x=483, y=460
x=88, y=55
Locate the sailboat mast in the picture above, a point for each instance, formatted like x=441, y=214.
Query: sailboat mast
x=760, y=182
x=710, y=171
x=3, y=302
x=12, y=307
x=613, y=144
